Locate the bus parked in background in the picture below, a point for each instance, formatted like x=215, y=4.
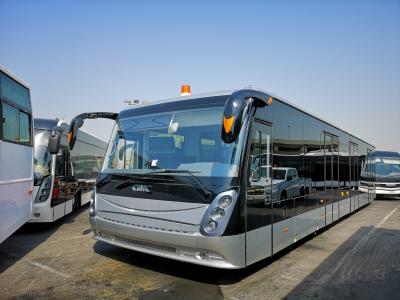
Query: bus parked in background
x=63, y=181
x=387, y=173
x=16, y=154
x=192, y=178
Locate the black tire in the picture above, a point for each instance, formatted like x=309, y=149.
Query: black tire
x=77, y=201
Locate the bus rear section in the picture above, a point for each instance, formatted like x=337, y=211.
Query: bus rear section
x=222, y=180
x=16, y=154
x=63, y=181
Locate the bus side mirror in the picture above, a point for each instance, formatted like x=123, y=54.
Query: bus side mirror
x=54, y=142
x=235, y=107
x=232, y=118
x=73, y=132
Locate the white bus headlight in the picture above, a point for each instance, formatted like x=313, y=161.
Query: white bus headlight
x=43, y=193
x=217, y=213
x=274, y=188
x=225, y=201
x=211, y=226
x=92, y=205
x=217, y=216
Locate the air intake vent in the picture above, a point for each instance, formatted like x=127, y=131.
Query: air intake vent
x=150, y=227
x=147, y=245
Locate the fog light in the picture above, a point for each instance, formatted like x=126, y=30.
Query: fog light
x=201, y=255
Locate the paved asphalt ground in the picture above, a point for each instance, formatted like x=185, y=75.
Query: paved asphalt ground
x=357, y=258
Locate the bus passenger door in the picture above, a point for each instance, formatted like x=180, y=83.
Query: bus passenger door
x=258, y=221
x=63, y=188
x=353, y=173
x=370, y=161
x=328, y=176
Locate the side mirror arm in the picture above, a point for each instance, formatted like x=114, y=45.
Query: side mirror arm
x=78, y=121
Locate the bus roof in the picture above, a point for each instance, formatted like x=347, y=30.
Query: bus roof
x=45, y=124
x=229, y=92
x=49, y=124
x=11, y=75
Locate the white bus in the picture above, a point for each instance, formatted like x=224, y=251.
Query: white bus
x=63, y=181
x=386, y=165
x=16, y=154
x=179, y=178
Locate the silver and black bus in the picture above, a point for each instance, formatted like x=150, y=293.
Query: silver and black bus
x=223, y=179
x=63, y=181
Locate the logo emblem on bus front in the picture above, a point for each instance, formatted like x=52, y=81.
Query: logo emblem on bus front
x=141, y=188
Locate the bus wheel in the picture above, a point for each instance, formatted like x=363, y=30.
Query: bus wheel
x=77, y=201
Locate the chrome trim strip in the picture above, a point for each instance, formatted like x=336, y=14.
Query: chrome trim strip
x=15, y=181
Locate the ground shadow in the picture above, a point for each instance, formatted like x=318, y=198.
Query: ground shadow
x=189, y=271
x=366, y=266
x=28, y=237
x=193, y=272
x=387, y=198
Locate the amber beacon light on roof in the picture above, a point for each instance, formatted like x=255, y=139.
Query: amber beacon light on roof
x=185, y=90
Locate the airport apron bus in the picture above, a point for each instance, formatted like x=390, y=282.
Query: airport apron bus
x=387, y=174
x=196, y=179
x=16, y=154
x=63, y=181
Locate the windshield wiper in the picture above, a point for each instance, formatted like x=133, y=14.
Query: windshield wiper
x=205, y=190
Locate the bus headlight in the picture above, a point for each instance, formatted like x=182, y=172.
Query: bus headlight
x=92, y=205
x=211, y=226
x=43, y=193
x=225, y=201
x=217, y=213
x=217, y=216
x=274, y=188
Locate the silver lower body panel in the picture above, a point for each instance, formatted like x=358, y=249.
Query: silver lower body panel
x=226, y=252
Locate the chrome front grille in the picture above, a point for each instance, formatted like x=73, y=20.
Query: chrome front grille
x=388, y=185
x=149, y=227
x=144, y=244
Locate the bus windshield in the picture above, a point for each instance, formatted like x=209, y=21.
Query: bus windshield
x=42, y=158
x=173, y=140
x=387, y=167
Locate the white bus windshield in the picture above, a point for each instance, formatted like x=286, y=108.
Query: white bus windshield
x=387, y=167
x=178, y=140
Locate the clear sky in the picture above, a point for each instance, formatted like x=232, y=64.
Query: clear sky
x=337, y=59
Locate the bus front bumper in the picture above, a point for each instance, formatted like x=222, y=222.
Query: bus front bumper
x=387, y=191
x=226, y=252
